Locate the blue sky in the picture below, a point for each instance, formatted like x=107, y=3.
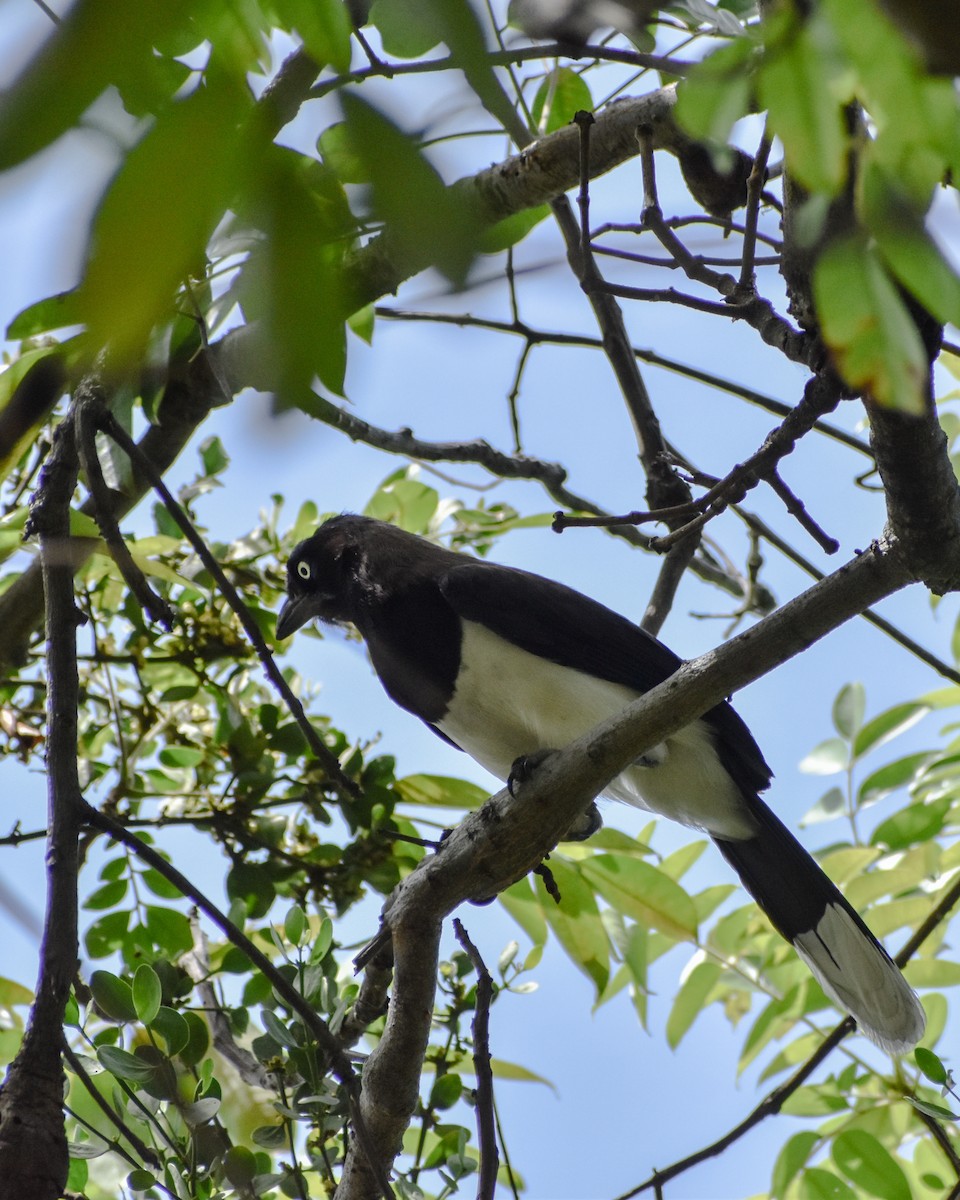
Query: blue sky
x=624, y=1102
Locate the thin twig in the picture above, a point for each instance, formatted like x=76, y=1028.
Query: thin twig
x=486, y=1122
x=755, y=181
x=86, y=420
x=146, y=1153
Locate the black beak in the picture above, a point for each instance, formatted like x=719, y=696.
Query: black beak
x=296, y=611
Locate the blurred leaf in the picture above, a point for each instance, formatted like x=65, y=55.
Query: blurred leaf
x=690, y=1000
x=52, y=312
x=643, y=892
x=148, y=236
x=819, y=1184
x=869, y=1165
x=832, y=804
x=576, y=921
x=324, y=26
x=29, y=389
x=441, y=791
x=932, y=973
x=828, y=758
x=407, y=28
x=888, y=725
x=848, y=710
x=930, y=1065
x=559, y=98
x=717, y=92
x=112, y=40
x=867, y=327
x=906, y=246
x=522, y=904
x=508, y=1070
x=513, y=229
x=801, y=85
x=405, y=502
x=428, y=222
x=791, y=1159
x=916, y=823
x=890, y=777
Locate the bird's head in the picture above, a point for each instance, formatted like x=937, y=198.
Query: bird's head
x=322, y=575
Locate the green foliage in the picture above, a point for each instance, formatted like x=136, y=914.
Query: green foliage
x=210, y=220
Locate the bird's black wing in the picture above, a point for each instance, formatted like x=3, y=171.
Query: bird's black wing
x=557, y=623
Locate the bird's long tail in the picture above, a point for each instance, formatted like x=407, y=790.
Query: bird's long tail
x=807, y=909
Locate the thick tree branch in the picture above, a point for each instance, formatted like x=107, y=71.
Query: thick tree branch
x=33, y=1143
x=508, y=836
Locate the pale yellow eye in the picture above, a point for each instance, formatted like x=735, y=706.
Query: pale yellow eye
x=303, y=570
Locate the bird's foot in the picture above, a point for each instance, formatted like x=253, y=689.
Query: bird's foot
x=523, y=769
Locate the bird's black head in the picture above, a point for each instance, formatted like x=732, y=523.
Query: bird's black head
x=323, y=573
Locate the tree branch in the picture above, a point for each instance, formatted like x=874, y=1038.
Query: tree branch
x=33, y=1143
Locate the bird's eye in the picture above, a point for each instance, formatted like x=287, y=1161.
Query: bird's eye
x=303, y=570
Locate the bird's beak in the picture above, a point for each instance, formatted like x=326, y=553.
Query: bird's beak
x=296, y=611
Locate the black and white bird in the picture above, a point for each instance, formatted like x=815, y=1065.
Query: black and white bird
x=504, y=663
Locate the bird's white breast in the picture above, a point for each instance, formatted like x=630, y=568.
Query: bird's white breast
x=509, y=702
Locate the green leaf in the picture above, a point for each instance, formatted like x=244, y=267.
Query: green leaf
x=891, y=777
x=828, y=758
x=867, y=327
x=113, y=996
x=559, y=98
x=147, y=993
x=114, y=42
x=801, y=85
x=29, y=389
x=175, y=1029
x=576, y=921
x=405, y=502
x=428, y=222
x=832, y=804
x=406, y=27
x=930, y=1065
x=643, y=892
x=148, y=237
x=106, y=935
x=12, y=993
x=509, y=1070
x=446, y=1091
x=888, y=725
x=295, y=924
x=52, y=312
x=932, y=973
x=916, y=823
x=293, y=279
x=717, y=92
x=198, y=1039
x=324, y=27
x=513, y=229
x=160, y=885
x=869, y=1165
x=441, y=791
x=819, y=1184
x=907, y=248
x=690, y=1000
x=791, y=1159
x=522, y=904
x=108, y=896
x=848, y=710
x=125, y=1065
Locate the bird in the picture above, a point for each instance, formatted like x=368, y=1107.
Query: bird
x=505, y=664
